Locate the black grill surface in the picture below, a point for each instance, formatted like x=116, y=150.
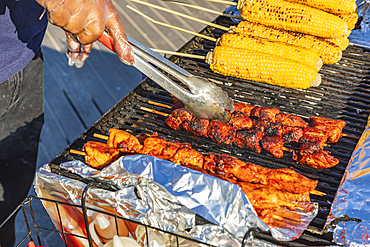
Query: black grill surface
x=344, y=94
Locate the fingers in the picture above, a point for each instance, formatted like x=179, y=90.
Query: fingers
x=77, y=53
x=118, y=35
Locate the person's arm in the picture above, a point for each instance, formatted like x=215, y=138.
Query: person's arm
x=84, y=21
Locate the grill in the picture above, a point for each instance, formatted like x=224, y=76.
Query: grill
x=344, y=94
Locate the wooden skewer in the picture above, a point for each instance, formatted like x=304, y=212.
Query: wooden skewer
x=288, y=149
x=204, y=9
x=154, y=111
x=100, y=136
x=318, y=193
x=171, y=26
x=42, y=15
x=179, y=54
x=74, y=151
x=182, y=15
x=351, y=136
x=277, y=217
x=223, y=2
x=159, y=104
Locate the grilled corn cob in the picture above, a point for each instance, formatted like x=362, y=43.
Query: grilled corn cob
x=328, y=52
x=299, y=54
x=261, y=67
x=350, y=18
x=341, y=42
x=331, y=6
x=293, y=17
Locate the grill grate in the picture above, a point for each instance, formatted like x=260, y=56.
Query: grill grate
x=344, y=94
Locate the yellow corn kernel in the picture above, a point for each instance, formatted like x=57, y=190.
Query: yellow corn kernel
x=351, y=19
x=341, y=42
x=296, y=53
x=261, y=67
x=331, y=6
x=293, y=17
x=328, y=52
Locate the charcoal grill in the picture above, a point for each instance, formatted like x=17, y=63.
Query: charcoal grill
x=344, y=94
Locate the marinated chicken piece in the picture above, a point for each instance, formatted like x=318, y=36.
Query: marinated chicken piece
x=177, y=117
x=266, y=215
x=251, y=173
x=290, y=120
x=269, y=128
x=221, y=133
x=273, y=145
x=265, y=113
x=124, y=141
x=240, y=121
x=288, y=180
x=99, y=155
x=331, y=126
x=153, y=146
x=283, y=195
x=291, y=134
x=196, y=126
x=242, y=107
x=264, y=197
x=222, y=165
x=170, y=150
x=188, y=157
x=315, y=136
x=313, y=156
x=249, y=139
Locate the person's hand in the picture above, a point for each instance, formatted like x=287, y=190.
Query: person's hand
x=86, y=20
x=77, y=53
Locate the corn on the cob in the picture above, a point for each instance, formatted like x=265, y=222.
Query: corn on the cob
x=351, y=19
x=296, y=53
x=328, y=52
x=293, y=17
x=331, y=6
x=257, y=66
x=341, y=42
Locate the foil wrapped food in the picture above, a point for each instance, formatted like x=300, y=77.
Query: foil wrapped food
x=349, y=218
x=169, y=191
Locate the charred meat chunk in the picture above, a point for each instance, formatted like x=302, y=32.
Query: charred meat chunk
x=290, y=120
x=99, y=155
x=331, y=126
x=273, y=145
x=265, y=113
x=177, y=117
x=240, y=121
x=249, y=139
x=221, y=133
x=196, y=126
x=313, y=156
x=243, y=107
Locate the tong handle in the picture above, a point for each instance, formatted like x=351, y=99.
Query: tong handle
x=147, y=69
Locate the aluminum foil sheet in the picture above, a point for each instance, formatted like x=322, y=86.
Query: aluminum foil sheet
x=349, y=218
x=216, y=200
x=138, y=199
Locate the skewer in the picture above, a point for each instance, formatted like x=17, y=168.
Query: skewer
x=182, y=15
x=351, y=136
x=171, y=26
x=278, y=217
x=178, y=53
x=74, y=151
x=204, y=9
x=154, y=111
x=100, y=136
x=223, y=2
x=159, y=104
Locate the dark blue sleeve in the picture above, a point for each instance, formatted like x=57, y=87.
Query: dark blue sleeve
x=21, y=34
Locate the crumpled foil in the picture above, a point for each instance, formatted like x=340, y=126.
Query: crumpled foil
x=216, y=200
x=349, y=218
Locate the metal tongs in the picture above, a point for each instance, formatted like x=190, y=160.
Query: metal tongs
x=206, y=100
